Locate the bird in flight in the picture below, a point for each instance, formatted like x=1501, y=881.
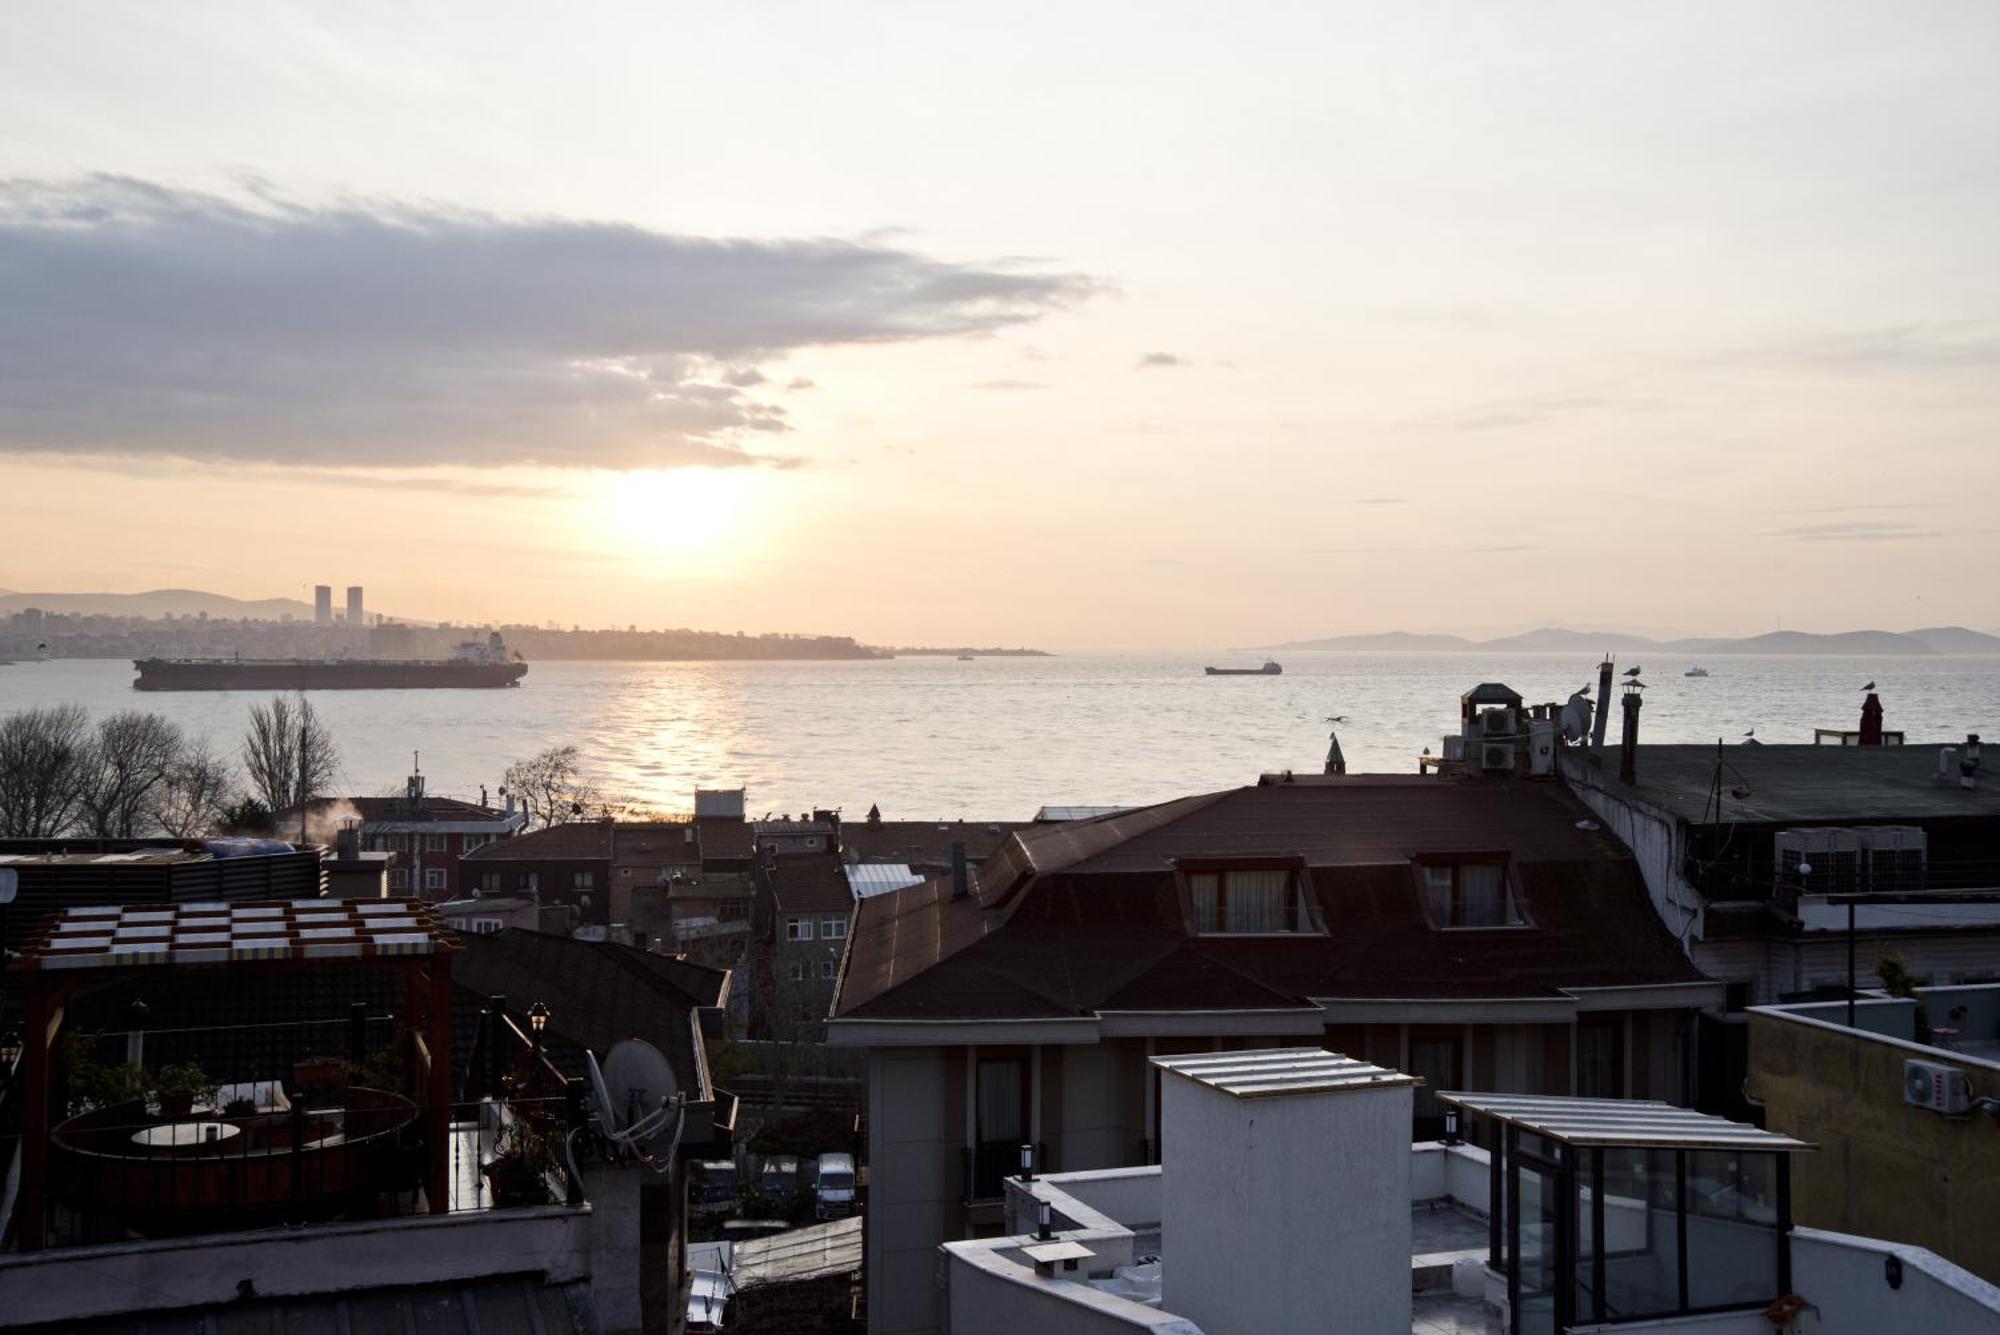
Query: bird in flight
x=1337, y=718
x=1869, y=687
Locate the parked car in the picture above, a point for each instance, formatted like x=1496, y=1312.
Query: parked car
x=833, y=1186
x=713, y=1188
x=778, y=1177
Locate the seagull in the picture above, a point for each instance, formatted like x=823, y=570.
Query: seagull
x=1633, y=671
x=1751, y=733
x=1583, y=689
x=1337, y=718
x=1869, y=687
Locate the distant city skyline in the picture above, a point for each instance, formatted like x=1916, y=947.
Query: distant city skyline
x=1057, y=325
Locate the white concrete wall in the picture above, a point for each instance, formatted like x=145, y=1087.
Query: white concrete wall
x=907, y=1205
x=994, y=1291
x=78, y=1283
x=1654, y=844
x=1843, y=1277
x=1294, y=1216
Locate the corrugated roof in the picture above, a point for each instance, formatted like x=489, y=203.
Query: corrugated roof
x=1056, y=814
x=1638, y=1122
x=878, y=878
x=1274, y=1072
x=121, y=936
x=799, y=1253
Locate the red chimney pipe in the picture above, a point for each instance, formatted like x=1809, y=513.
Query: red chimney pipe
x=1871, y=720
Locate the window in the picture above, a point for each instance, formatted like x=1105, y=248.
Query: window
x=485, y=926
x=832, y=929
x=796, y=971
x=1244, y=900
x=434, y=878
x=583, y=880
x=489, y=883
x=798, y=929
x=1469, y=894
x=467, y=843
x=399, y=879
x=436, y=843
x=396, y=843
x=378, y=843
x=827, y=966
x=531, y=881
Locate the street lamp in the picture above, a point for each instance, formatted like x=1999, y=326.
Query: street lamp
x=1027, y=1163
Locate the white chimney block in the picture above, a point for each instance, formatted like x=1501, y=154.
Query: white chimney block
x=1285, y=1193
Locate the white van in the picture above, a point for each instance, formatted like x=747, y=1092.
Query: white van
x=833, y=1186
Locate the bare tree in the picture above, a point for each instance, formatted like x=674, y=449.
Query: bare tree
x=550, y=788
x=130, y=758
x=196, y=794
x=288, y=753
x=44, y=756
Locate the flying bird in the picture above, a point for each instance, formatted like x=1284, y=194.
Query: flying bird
x=1337, y=718
x=1869, y=687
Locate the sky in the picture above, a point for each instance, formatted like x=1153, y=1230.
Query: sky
x=1077, y=325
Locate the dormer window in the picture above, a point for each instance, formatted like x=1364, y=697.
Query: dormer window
x=1469, y=893
x=1253, y=901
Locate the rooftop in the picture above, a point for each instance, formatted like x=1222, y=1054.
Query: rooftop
x=1847, y=784
x=877, y=878
x=1274, y=1072
x=924, y=843
x=1585, y=1122
x=801, y=1253
x=1077, y=919
x=810, y=882
x=87, y=937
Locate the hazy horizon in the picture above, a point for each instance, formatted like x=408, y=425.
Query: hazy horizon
x=1068, y=326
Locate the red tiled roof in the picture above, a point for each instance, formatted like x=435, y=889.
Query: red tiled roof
x=1074, y=919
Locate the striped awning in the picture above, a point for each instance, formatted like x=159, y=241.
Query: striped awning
x=117, y=936
x=1640, y=1123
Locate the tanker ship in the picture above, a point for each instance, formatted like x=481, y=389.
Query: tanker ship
x=473, y=665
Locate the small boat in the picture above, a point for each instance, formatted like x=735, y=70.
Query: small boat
x=965, y=658
x=1270, y=669
x=1695, y=672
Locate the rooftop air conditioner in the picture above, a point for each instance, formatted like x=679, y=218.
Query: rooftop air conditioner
x=1497, y=722
x=1894, y=857
x=1454, y=748
x=1943, y=1089
x=1496, y=756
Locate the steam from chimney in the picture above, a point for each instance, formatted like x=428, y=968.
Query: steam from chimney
x=324, y=819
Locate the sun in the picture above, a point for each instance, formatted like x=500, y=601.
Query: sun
x=691, y=512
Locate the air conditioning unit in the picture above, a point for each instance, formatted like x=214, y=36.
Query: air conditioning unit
x=1943, y=1089
x=1454, y=748
x=1833, y=854
x=1496, y=756
x=1497, y=722
x=1894, y=856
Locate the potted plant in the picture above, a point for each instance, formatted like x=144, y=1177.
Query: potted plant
x=179, y=1087
x=519, y=1171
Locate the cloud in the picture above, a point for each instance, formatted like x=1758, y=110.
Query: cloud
x=138, y=319
x=1855, y=530
x=1153, y=359
x=1510, y=413
x=800, y=382
x=1912, y=347
x=1007, y=384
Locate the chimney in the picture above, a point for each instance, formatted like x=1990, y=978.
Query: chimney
x=961, y=885
x=1603, y=704
x=1968, y=762
x=1871, y=720
x=1336, y=763
x=1628, y=743
x=347, y=842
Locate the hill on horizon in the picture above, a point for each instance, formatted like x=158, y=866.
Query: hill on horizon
x=159, y=603
x=1552, y=639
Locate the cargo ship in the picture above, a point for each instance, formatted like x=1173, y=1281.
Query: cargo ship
x=471, y=666
x=1270, y=669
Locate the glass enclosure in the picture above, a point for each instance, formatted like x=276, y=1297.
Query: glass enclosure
x=1611, y=1234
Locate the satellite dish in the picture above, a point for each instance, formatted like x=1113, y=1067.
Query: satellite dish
x=637, y=1096
x=1576, y=719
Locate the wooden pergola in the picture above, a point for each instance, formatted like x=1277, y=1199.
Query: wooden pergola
x=85, y=944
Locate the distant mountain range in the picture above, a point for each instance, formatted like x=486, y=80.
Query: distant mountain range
x=158, y=603
x=1930, y=640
